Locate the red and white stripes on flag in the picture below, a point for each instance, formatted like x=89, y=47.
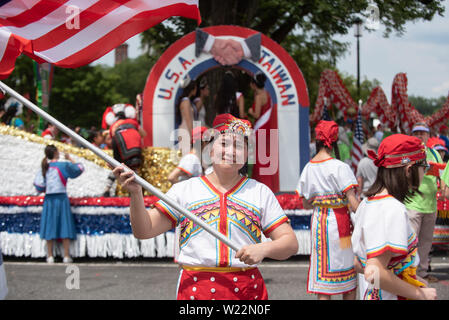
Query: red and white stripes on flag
x=357, y=141
x=73, y=33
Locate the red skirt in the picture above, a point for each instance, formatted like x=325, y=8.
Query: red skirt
x=219, y=284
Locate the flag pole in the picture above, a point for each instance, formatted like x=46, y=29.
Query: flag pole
x=114, y=163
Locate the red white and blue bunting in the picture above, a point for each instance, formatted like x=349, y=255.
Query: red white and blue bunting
x=103, y=228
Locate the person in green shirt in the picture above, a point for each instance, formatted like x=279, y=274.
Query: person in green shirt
x=344, y=146
x=422, y=208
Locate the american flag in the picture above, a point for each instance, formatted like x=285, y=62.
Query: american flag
x=74, y=33
x=325, y=115
x=357, y=141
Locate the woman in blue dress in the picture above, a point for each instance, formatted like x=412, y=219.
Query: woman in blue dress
x=57, y=221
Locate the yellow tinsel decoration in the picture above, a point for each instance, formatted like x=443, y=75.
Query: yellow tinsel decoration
x=157, y=162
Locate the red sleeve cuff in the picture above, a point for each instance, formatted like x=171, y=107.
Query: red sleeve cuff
x=381, y=251
x=167, y=213
x=275, y=225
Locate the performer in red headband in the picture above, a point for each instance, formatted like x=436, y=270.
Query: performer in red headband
x=328, y=186
x=385, y=244
x=233, y=204
x=327, y=132
x=398, y=151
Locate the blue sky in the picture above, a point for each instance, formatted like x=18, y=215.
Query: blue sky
x=422, y=52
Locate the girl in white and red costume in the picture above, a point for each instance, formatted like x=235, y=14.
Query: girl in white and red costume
x=238, y=207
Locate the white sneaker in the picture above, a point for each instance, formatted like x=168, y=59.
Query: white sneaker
x=67, y=260
x=50, y=259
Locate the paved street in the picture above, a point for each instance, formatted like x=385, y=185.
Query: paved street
x=104, y=279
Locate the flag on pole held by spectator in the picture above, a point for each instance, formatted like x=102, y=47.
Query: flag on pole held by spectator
x=357, y=141
x=74, y=33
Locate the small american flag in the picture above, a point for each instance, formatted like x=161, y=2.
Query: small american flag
x=74, y=33
x=357, y=141
x=325, y=115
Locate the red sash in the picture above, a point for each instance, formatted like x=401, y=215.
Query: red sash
x=345, y=226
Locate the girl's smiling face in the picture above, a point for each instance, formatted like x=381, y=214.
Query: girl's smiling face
x=229, y=151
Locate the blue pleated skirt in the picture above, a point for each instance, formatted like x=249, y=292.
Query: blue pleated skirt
x=57, y=221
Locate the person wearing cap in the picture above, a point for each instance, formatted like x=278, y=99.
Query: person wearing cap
x=384, y=241
x=190, y=164
x=422, y=206
x=438, y=145
x=379, y=134
x=234, y=205
x=366, y=169
x=328, y=186
x=444, y=132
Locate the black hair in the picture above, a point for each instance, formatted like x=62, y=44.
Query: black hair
x=185, y=93
x=259, y=79
x=120, y=115
x=203, y=83
x=226, y=101
x=396, y=182
x=93, y=134
x=9, y=114
x=50, y=152
x=319, y=144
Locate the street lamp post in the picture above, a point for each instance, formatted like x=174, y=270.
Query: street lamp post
x=358, y=34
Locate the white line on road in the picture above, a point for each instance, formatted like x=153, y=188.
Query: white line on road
x=167, y=265
x=143, y=265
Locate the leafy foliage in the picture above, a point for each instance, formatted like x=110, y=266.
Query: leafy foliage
x=427, y=106
x=129, y=77
x=79, y=96
x=305, y=28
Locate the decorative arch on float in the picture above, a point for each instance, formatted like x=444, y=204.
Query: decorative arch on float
x=285, y=84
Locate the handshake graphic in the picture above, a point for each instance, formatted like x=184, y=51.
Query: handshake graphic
x=228, y=52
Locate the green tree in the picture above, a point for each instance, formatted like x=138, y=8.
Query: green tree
x=80, y=96
x=366, y=86
x=130, y=76
x=427, y=106
x=22, y=78
x=306, y=28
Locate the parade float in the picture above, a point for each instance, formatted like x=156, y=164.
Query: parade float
x=103, y=226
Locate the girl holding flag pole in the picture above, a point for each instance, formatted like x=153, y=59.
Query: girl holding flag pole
x=238, y=207
x=266, y=217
